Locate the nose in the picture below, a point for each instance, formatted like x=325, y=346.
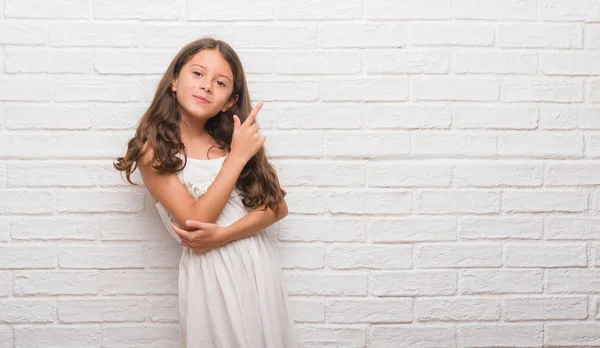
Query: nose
x=205, y=86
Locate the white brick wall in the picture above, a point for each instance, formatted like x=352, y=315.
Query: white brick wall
x=441, y=156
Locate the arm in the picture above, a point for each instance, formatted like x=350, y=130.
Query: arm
x=254, y=221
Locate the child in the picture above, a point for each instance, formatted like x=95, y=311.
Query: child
x=201, y=157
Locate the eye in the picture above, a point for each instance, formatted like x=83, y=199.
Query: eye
x=197, y=73
x=220, y=83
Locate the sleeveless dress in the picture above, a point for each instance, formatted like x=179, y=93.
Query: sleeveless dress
x=233, y=296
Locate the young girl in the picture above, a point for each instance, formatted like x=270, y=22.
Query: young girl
x=201, y=157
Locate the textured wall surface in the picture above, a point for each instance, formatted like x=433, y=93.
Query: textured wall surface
x=441, y=157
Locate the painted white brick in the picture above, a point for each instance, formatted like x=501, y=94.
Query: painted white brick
x=370, y=257
x=497, y=174
x=14, y=32
x=301, y=256
x=327, y=229
x=69, y=336
x=406, y=62
x=19, y=88
x=6, y=333
x=593, y=36
x=456, y=88
x=593, y=91
x=16, y=256
x=592, y=145
x=64, y=174
x=411, y=229
x=412, y=283
x=569, y=334
x=307, y=309
x=163, y=335
x=320, y=62
x=284, y=90
x=457, y=309
x=159, y=255
x=453, y=144
x=596, y=256
x=54, y=61
x=92, y=310
x=317, y=10
x=457, y=201
x=495, y=62
x=257, y=61
x=310, y=116
x=315, y=336
x=570, y=63
x=321, y=173
x=501, y=335
x=496, y=10
x=26, y=202
x=538, y=201
x=52, y=228
x=540, y=144
x=500, y=228
x=575, y=228
x=138, y=282
x=369, y=311
x=443, y=255
x=294, y=143
x=5, y=285
x=229, y=10
x=104, y=89
x=407, y=116
x=409, y=174
x=494, y=117
x=59, y=9
x=55, y=283
x=569, y=117
x=88, y=34
x=367, y=144
x=411, y=9
x=369, y=202
x=364, y=35
x=53, y=116
x=569, y=10
x=164, y=309
x=500, y=282
x=306, y=202
x=131, y=62
x=100, y=257
x=572, y=281
x=451, y=34
x=381, y=88
x=116, y=116
x=131, y=9
x=21, y=311
x=326, y=283
x=576, y=173
x=278, y=35
x=545, y=255
x=540, y=35
x=99, y=201
x=544, y=308
x=136, y=228
x=413, y=335
x=176, y=35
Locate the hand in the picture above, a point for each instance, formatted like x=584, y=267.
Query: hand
x=204, y=237
x=246, y=141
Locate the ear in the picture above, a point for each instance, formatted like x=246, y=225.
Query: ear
x=174, y=85
x=230, y=103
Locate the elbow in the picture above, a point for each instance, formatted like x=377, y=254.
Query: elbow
x=282, y=210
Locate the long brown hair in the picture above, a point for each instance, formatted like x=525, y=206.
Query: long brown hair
x=159, y=128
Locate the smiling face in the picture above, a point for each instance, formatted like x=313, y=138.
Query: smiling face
x=204, y=85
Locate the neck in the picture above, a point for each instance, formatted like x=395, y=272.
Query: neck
x=192, y=129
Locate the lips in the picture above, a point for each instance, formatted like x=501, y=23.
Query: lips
x=201, y=99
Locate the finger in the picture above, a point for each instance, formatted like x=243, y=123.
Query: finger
x=254, y=127
x=252, y=115
x=183, y=234
x=236, y=122
x=197, y=224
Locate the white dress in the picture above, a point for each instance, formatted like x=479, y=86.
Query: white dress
x=233, y=296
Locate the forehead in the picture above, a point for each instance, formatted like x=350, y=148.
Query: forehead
x=213, y=61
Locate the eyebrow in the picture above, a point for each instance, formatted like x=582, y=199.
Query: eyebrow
x=203, y=67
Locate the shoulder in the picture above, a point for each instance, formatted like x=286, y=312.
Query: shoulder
x=147, y=157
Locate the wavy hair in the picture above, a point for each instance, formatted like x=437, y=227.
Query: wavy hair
x=159, y=129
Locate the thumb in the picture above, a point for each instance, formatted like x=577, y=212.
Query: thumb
x=195, y=224
x=236, y=122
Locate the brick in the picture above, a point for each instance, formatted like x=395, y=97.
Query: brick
x=546, y=255
x=406, y=62
x=116, y=116
x=104, y=89
x=412, y=335
x=97, y=202
x=71, y=311
x=16, y=256
x=21, y=311
x=280, y=36
x=362, y=35
x=323, y=62
x=161, y=255
x=355, y=144
x=540, y=35
x=576, y=173
x=437, y=143
x=500, y=282
x=407, y=116
x=413, y=9
x=544, y=308
x=544, y=201
x=458, y=255
x=69, y=336
x=321, y=173
x=317, y=10
x=54, y=228
x=412, y=283
x=369, y=311
x=570, y=63
x=310, y=116
x=313, y=336
x=294, y=143
x=498, y=174
x=370, y=257
x=5, y=286
x=6, y=332
x=365, y=89
x=369, y=202
x=457, y=309
x=328, y=229
x=564, y=117
x=148, y=227
x=21, y=88
x=55, y=61
x=409, y=174
x=89, y=34
x=572, y=334
x=164, y=309
x=307, y=309
x=456, y=88
x=572, y=281
x=131, y=62
x=48, y=117
x=326, y=283
x=64, y=174
x=540, y=144
x=501, y=335
x=565, y=10
x=230, y=10
x=451, y=34
x=100, y=257
x=55, y=283
x=517, y=10
x=163, y=335
x=495, y=62
x=411, y=229
x=130, y=9
x=13, y=32
x=257, y=61
x=138, y=282
x=176, y=35
x=504, y=227
x=593, y=91
x=306, y=202
x=575, y=228
x=301, y=256
x=60, y=9
x=284, y=90
x=457, y=201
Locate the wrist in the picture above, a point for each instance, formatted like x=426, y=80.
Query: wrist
x=225, y=235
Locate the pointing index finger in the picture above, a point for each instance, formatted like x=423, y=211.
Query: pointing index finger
x=252, y=115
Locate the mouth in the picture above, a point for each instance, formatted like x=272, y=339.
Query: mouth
x=201, y=99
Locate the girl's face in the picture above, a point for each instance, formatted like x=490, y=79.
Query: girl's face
x=204, y=85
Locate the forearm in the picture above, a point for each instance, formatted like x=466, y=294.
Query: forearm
x=253, y=222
